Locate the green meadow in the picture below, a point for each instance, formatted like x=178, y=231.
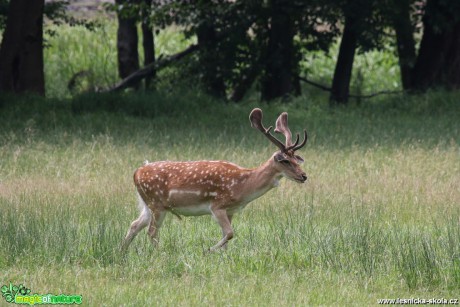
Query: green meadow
x=379, y=216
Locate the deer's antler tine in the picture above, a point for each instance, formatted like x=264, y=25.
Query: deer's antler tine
x=303, y=142
x=256, y=121
x=282, y=127
x=295, y=143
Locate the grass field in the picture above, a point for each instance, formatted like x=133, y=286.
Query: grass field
x=378, y=218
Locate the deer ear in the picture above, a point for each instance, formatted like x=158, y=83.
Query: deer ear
x=280, y=157
x=299, y=159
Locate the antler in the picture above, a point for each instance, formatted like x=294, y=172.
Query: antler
x=281, y=127
x=256, y=122
x=305, y=137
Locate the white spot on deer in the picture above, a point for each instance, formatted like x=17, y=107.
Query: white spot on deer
x=177, y=191
x=212, y=193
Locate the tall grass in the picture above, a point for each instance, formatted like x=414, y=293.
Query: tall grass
x=378, y=218
x=74, y=49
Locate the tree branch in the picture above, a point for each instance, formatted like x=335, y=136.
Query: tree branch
x=386, y=92
x=320, y=86
x=147, y=71
x=328, y=89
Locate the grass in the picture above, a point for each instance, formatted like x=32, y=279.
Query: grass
x=75, y=49
x=378, y=218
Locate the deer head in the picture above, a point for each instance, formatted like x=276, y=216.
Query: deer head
x=286, y=161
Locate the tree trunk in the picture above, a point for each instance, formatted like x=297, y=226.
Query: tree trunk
x=128, y=58
x=21, y=52
x=281, y=65
x=148, y=42
x=210, y=61
x=245, y=84
x=451, y=69
x=438, y=61
x=405, y=41
x=344, y=66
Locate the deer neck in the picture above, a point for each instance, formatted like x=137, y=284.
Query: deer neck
x=261, y=179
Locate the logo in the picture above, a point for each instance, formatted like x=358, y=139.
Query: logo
x=21, y=295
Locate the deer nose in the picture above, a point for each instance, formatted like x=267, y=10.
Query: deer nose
x=304, y=177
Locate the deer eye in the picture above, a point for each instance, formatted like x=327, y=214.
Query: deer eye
x=286, y=162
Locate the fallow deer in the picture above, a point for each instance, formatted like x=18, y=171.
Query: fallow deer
x=217, y=188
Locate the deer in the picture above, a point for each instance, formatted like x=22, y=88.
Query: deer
x=217, y=188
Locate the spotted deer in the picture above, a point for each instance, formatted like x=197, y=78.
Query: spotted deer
x=217, y=188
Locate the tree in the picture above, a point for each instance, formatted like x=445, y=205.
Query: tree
x=21, y=51
x=210, y=59
x=438, y=60
x=128, y=57
x=129, y=14
x=148, y=39
x=344, y=65
x=280, y=61
x=400, y=16
x=363, y=28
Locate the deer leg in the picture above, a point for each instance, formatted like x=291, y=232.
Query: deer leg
x=223, y=233
x=155, y=224
x=224, y=221
x=136, y=226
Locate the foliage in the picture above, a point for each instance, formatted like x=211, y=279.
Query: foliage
x=242, y=31
x=67, y=55
x=3, y=13
x=55, y=13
